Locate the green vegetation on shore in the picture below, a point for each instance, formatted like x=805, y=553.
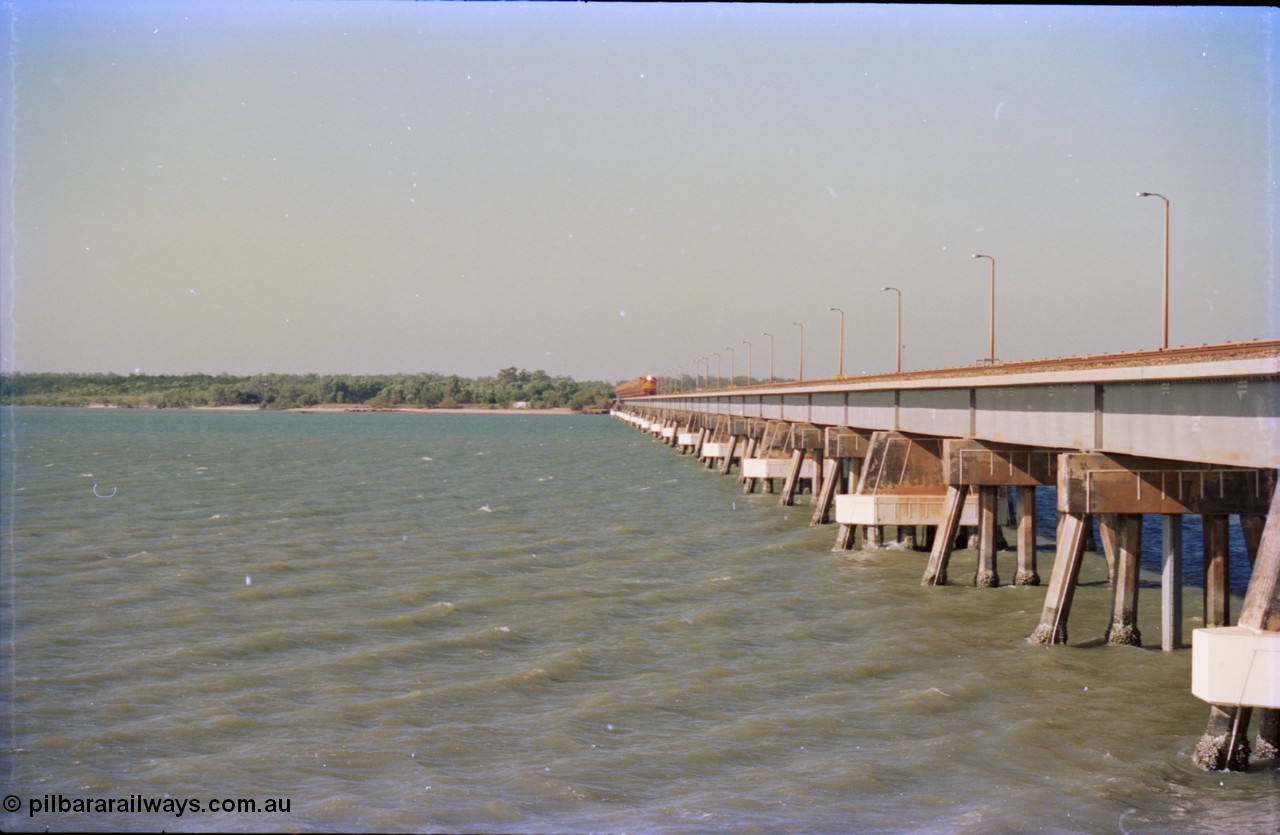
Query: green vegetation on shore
x=290, y=391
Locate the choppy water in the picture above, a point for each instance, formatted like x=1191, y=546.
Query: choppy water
x=540, y=624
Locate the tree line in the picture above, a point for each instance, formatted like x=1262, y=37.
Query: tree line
x=290, y=391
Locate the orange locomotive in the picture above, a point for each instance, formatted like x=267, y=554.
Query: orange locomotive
x=645, y=386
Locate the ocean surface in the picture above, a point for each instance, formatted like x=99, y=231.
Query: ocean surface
x=540, y=623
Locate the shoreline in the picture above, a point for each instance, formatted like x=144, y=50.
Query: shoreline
x=332, y=409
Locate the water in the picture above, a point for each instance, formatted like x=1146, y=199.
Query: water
x=407, y=622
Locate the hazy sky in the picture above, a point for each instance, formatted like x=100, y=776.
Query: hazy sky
x=605, y=190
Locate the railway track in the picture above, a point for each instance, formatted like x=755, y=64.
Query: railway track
x=1183, y=354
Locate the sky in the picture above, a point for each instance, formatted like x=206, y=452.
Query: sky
x=607, y=190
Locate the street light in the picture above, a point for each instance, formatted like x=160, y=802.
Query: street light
x=801, y=327
x=719, y=384
x=1164, y=341
x=992, y=348
x=732, y=371
x=748, y=344
x=840, y=364
x=770, y=356
x=899, y=292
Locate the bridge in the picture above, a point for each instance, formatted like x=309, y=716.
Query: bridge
x=1193, y=430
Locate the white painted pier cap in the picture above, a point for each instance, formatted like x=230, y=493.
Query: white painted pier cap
x=1236, y=665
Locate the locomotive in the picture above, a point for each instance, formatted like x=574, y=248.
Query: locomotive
x=645, y=386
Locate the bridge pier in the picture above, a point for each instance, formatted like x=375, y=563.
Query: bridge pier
x=805, y=440
x=845, y=450
x=755, y=429
x=1217, y=574
x=1224, y=744
x=673, y=439
x=935, y=573
x=986, y=576
x=985, y=466
x=1127, y=535
x=900, y=484
x=716, y=446
x=1093, y=483
x=731, y=446
x=771, y=447
x=1026, y=574
x=1062, y=580
x=1171, y=582
x=692, y=436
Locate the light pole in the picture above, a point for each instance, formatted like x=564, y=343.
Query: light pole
x=733, y=374
x=840, y=364
x=706, y=368
x=992, y=342
x=719, y=384
x=899, y=331
x=801, y=327
x=748, y=344
x=1164, y=340
x=770, y=356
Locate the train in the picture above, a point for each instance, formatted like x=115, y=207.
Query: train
x=645, y=386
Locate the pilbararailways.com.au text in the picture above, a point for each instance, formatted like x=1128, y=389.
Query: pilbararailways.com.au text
x=143, y=805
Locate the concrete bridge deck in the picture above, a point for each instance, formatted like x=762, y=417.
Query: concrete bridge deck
x=1212, y=404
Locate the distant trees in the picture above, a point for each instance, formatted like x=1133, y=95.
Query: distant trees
x=284, y=391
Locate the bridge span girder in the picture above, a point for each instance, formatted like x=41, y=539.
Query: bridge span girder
x=1092, y=482
x=1224, y=413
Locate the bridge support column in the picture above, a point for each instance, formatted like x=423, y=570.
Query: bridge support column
x=1026, y=574
x=793, y=478
x=831, y=480
x=1062, y=581
x=749, y=452
x=935, y=573
x=1224, y=746
x=1127, y=532
x=1107, y=531
x=851, y=472
x=805, y=440
x=819, y=473
x=986, y=576
x=1267, y=744
x=1251, y=526
x=727, y=464
x=696, y=449
x=1171, y=582
x=1217, y=576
